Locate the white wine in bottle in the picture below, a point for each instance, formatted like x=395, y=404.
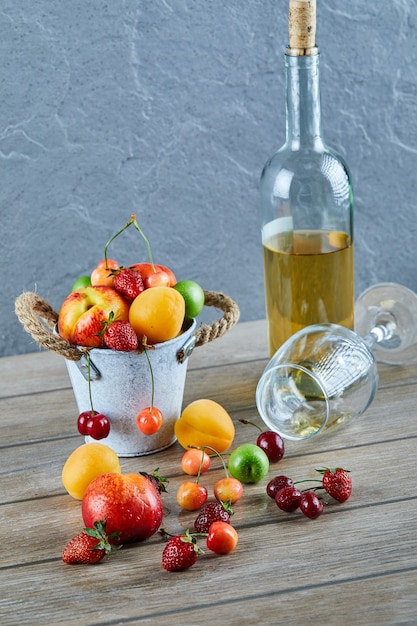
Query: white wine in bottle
x=306, y=202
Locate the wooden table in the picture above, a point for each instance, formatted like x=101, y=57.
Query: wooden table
x=356, y=564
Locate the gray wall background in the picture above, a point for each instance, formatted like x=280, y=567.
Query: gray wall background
x=169, y=108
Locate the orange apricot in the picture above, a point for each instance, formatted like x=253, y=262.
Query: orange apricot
x=205, y=423
x=86, y=463
x=157, y=314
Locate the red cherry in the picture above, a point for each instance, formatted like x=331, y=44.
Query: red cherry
x=288, y=499
x=82, y=422
x=276, y=484
x=222, y=538
x=98, y=426
x=149, y=420
x=272, y=444
x=311, y=505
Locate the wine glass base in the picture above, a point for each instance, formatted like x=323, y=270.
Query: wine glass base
x=391, y=306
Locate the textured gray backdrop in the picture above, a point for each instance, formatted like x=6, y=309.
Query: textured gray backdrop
x=169, y=108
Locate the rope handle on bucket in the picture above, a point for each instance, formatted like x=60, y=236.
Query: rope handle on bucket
x=38, y=319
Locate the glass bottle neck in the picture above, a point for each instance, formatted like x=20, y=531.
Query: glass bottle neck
x=303, y=105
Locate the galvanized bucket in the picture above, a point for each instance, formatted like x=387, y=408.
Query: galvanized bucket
x=121, y=381
x=121, y=388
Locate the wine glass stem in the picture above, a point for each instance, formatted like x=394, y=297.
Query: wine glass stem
x=379, y=333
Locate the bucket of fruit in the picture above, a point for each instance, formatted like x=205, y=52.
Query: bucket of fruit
x=126, y=334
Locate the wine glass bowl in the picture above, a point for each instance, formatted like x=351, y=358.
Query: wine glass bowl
x=322, y=376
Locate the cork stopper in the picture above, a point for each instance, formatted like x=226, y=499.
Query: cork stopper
x=302, y=27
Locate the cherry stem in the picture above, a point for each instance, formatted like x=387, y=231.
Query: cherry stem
x=152, y=378
x=165, y=533
x=138, y=228
x=201, y=467
x=89, y=382
x=251, y=423
x=144, y=237
x=318, y=487
x=215, y=452
x=307, y=480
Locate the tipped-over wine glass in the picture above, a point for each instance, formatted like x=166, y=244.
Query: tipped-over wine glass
x=326, y=374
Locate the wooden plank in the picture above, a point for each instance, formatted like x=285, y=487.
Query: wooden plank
x=38, y=486
x=338, y=549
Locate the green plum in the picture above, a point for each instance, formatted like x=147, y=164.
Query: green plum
x=193, y=295
x=82, y=281
x=248, y=463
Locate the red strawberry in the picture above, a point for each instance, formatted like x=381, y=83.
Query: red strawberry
x=89, y=546
x=180, y=553
x=212, y=512
x=337, y=483
x=157, y=480
x=120, y=335
x=128, y=282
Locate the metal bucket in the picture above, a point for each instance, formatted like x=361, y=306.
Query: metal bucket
x=121, y=383
x=121, y=387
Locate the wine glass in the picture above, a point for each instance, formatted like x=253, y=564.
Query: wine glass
x=325, y=374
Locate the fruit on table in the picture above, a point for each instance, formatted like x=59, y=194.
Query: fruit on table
x=311, y=505
x=86, y=463
x=228, y=489
x=129, y=503
x=195, y=461
x=88, y=547
x=205, y=423
x=180, y=553
x=222, y=537
x=157, y=314
x=83, y=313
x=288, y=499
x=157, y=480
x=191, y=496
x=337, y=483
x=248, y=463
x=270, y=442
x=212, y=512
x=287, y=496
x=193, y=296
x=276, y=484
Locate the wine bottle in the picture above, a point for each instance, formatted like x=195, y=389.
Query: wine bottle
x=306, y=203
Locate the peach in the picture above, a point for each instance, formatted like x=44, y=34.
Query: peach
x=83, y=312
